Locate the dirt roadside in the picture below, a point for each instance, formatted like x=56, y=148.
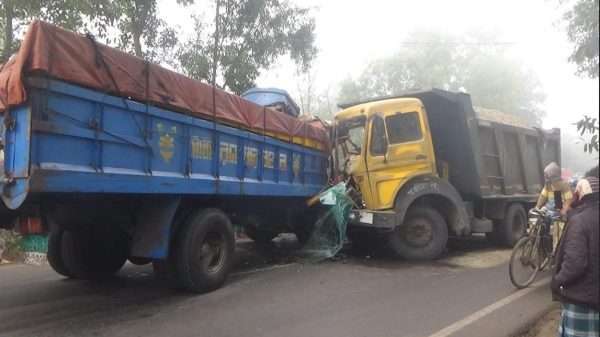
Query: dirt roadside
x=546, y=326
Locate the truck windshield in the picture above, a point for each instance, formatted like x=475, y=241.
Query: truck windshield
x=350, y=135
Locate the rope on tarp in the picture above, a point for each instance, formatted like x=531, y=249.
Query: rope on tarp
x=147, y=119
x=100, y=62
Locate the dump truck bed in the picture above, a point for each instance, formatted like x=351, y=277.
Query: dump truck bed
x=486, y=158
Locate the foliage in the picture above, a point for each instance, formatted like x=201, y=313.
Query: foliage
x=141, y=28
x=78, y=15
x=10, y=247
x=251, y=36
x=194, y=56
x=572, y=156
x=468, y=63
x=588, y=127
x=12, y=13
x=582, y=30
x=321, y=103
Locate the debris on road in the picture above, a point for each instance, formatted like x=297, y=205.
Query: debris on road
x=329, y=233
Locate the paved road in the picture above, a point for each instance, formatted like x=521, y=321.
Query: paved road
x=467, y=293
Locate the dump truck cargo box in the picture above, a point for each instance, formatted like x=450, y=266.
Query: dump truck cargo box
x=487, y=158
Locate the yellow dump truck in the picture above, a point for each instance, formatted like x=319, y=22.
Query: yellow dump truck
x=423, y=166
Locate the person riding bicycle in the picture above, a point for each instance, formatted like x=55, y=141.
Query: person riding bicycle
x=556, y=196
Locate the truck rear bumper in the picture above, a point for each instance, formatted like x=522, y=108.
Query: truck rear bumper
x=381, y=220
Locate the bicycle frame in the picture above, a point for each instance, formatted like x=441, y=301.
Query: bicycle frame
x=539, y=231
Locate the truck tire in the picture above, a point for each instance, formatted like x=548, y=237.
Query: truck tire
x=422, y=236
x=203, y=253
x=510, y=229
x=91, y=257
x=54, y=254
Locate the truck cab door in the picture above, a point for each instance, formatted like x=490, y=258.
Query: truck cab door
x=399, y=149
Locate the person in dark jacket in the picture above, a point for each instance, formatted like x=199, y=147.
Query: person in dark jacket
x=576, y=278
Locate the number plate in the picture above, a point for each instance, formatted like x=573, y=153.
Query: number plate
x=366, y=217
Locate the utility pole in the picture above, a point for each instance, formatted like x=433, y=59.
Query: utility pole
x=216, y=46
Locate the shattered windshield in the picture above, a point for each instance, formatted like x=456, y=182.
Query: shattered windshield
x=351, y=135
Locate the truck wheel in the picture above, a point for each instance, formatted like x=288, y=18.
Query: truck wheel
x=203, y=253
x=510, y=229
x=87, y=256
x=54, y=254
x=75, y=252
x=422, y=236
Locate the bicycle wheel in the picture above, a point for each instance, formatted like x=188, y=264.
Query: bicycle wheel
x=524, y=262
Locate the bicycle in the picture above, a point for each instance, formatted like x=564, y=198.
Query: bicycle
x=534, y=251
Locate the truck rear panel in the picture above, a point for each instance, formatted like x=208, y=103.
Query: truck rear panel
x=512, y=159
x=70, y=139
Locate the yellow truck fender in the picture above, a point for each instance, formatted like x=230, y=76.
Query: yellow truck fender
x=438, y=194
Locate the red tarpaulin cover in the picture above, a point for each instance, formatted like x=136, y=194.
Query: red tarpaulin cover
x=71, y=57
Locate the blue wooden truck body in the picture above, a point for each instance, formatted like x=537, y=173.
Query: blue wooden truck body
x=70, y=140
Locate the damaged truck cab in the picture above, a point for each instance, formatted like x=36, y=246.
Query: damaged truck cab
x=425, y=167
x=384, y=163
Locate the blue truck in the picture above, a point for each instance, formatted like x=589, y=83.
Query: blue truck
x=115, y=179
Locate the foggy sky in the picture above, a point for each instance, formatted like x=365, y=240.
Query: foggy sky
x=349, y=34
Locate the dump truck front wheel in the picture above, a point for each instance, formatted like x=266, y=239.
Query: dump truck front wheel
x=422, y=236
x=203, y=253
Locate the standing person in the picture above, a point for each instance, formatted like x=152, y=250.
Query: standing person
x=576, y=278
x=556, y=196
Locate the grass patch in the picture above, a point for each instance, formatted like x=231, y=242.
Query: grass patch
x=10, y=245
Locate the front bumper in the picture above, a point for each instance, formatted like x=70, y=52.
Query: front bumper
x=382, y=220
